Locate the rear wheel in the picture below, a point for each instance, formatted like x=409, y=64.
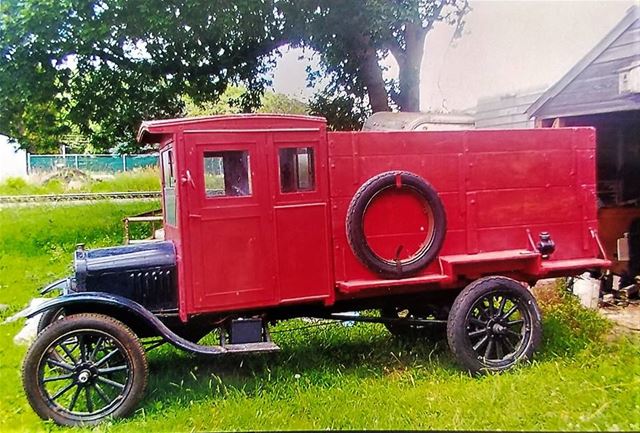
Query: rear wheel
x=494, y=324
x=84, y=368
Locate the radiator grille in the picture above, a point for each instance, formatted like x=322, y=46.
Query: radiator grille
x=154, y=288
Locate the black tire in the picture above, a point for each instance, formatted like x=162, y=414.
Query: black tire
x=355, y=224
x=431, y=332
x=494, y=324
x=103, y=360
x=48, y=317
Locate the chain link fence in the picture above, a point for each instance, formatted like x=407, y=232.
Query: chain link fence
x=90, y=163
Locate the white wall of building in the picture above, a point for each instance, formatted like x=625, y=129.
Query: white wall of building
x=12, y=162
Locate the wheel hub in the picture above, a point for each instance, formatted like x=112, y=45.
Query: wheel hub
x=84, y=376
x=498, y=329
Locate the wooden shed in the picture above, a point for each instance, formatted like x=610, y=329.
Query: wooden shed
x=603, y=90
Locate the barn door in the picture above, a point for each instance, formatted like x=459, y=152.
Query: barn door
x=230, y=231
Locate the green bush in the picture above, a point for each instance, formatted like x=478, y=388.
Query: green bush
x=141, y=179
x=568, y=326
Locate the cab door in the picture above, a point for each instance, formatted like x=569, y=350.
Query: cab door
x=299, y=191
x=230, y=232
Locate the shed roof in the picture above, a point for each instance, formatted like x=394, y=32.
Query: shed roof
x=631, y=18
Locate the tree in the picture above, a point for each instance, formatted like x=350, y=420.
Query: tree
x=229, y=103
x=105, y=65
x=354, y=36
x=96, y=68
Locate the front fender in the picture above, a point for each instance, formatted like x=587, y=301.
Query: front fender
x=132, y=307
x=63, y=284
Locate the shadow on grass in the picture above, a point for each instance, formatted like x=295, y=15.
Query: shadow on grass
x=320, y=357
x=335, y=355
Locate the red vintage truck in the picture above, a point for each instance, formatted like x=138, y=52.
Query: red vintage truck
x=272, y=217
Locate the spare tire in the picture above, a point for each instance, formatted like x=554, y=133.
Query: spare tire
x=396, y=224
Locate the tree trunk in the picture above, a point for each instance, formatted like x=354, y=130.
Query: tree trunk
x=409, y=68
x=372, y=78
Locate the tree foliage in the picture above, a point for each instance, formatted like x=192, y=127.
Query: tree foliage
x=230, y=103
x=105, y=65
x=96, y=68
x=352, y=38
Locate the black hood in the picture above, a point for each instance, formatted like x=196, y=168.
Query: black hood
x=143, y=272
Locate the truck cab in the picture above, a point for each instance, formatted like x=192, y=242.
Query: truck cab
x=246, y=203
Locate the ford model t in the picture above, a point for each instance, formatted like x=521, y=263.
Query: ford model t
x=272, y=217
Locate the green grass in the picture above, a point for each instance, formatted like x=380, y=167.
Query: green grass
x=141, y=179
x=326, y=377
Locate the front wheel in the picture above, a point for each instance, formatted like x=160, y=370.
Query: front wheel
x=84, y=368
x=494, y=323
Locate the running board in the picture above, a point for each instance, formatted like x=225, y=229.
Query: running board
x=260, y=347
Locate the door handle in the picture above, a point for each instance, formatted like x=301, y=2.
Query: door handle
x=188, y=179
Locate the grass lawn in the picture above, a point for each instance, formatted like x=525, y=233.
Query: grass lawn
x=325, y=377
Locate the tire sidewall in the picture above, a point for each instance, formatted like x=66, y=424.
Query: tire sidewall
x=355, y=224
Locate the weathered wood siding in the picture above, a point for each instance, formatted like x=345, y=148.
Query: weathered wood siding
x=506, y=111
x=595, y=88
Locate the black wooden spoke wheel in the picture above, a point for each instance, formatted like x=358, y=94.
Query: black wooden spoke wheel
x=84, y=368
x=494, y=323
x=410, y=237
x=430, y=331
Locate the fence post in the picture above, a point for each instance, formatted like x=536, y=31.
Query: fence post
x=28, y=163
x=124, y=162
x=76, y=163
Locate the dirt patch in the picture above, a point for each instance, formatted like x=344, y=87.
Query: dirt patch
x=626, y=319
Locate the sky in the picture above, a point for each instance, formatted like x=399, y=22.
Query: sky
x=507, y=46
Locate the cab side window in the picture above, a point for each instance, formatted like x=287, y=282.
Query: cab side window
x=297, y=171
x=227, y=173
x=168, y=188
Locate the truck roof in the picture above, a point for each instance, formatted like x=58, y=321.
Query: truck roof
x=151, y=130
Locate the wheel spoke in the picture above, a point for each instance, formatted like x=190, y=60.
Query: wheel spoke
x=503, y=303
x=477, y=333
x=510, y=312
x=477, y=322
x=68, y=352
x=56, y=378
x=483, y=312
x=487, y=351
x=62, y=365
x=87, y=392
x=74, y=398
x=106, y=357
x=101, y=393
x=111, y=382
x=62, y=391
x=499, y=350
x=514, y=333
x=515, y=322
x=491, y=300
x=509, y=344
x=115, y=369
x=83, y=348
x=97, y=346
x=480, y=343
